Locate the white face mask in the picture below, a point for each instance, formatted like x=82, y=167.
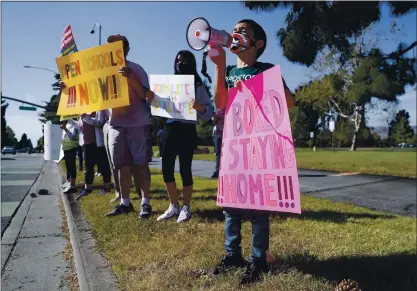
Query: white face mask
x=241, y=42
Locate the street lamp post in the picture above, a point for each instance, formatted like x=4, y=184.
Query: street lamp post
x=36, y=68
x=39, y=68
x=99, y=31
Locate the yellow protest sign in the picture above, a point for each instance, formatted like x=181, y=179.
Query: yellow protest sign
x=92, y=80
x=67, y=117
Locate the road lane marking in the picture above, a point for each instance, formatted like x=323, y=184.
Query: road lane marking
x=17, y=182
x=345, y=174
x=7, y=208
x=19, y=172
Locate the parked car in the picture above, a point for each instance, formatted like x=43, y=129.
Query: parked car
x=406, y=145
x=32, y=151
x=8, y=150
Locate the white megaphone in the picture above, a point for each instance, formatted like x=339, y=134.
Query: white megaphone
x=200, y=34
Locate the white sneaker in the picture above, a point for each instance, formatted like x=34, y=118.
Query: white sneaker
x=65, y=185
x=185, y=214
x=171, y=211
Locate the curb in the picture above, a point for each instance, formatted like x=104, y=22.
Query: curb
x=75, y=243
x=10, y=235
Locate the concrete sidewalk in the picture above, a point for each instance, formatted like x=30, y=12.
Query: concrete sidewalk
x=384, y=193
x=32, y=247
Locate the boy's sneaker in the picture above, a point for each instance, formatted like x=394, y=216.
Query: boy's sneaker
x=121, y=209
x=70, y=190
x=185, y=214
x=83, y=193
x=254, y=271
x=171, y=211
x=229, y=262
x=145, y=211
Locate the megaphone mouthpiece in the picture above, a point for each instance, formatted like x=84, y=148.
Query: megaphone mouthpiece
x=199, y=34
x=203, y=35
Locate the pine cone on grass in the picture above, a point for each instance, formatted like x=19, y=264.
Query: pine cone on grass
x=348, y=285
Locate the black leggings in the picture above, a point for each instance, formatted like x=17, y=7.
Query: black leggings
x=90, y=156
x=181, y=140
x=70, y=157
x=103, y=164
x=80, y=158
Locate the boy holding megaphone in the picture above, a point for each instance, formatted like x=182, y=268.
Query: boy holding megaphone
x=249, y=42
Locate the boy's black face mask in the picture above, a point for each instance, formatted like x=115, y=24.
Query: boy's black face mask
x=241, y=42
x=184, y=68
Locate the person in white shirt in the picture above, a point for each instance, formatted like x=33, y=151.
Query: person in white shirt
x=69, y=142
x=102, y=159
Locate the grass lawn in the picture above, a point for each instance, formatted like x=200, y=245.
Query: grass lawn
x=313, y=251
x=400, y=163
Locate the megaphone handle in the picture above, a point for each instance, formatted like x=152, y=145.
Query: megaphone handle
x=204, y=66
x=213, y=52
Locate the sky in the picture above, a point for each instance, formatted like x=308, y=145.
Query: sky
x=31, y=34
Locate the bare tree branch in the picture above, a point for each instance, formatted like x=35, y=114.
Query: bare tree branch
x=339, y=111
x=401, y=52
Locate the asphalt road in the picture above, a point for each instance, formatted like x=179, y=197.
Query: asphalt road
x=383, y=193
x=18, y=173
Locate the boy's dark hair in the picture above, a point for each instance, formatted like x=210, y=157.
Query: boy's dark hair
x=258, y=32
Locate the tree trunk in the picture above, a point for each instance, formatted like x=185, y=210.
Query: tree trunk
x=357, y=121
x=353, y=146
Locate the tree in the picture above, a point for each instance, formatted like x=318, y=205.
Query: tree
x=400, y=130
x=40, y=143
x=412, y=140
x=332, y=37
x=343, y=133
x=24, y=143
x=377, y=139
x=9, y=138
x=312, y=27
x=52, y=105
x=4, y=106
x=304, y=120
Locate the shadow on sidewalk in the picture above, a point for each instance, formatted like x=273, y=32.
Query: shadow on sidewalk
x=397, y=271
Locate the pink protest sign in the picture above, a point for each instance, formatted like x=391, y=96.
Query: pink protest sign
x=258, y=169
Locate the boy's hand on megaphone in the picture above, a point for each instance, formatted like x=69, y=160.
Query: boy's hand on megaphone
x=218, y=56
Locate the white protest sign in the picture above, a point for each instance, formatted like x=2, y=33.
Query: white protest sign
x=173, y=94
x=52, y=142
